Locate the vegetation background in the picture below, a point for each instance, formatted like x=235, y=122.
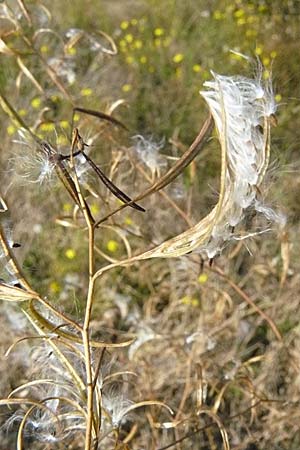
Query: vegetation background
x=201, y=346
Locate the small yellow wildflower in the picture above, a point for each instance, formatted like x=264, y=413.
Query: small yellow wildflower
x=71, y=51
x=64, y=124
x=266, y=74
x=11, y=129
x=241, y=21
x=67, y=207
x=262, y=8
x=251, y=19
x=129, y=59
x=143, y=59
x=129, y=38
x=138, y=44
x=186, y=300
x=76, y=117
x=55, y=287
x=159, y=32
x=128, y=221
x=124, y=25
x=202, y=278
x=55, y=98
x=278, y=97
x=126, y=87
x=22, y=112
x=47, y=126
x=266, y=61
x=218, y=15
x=95, y=208
x=191, y=301
x=70, y=253
x=134, y=22
x=157, y=42
x=239, y=13
x=36, y=102
x=178, y=58
x=44, y=49
x=86, y=92
x=273, y=54
x=123, y=43
x=197, y=68
x=112, y=246
x=258, y=50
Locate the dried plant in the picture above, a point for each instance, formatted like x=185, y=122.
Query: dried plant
x=80, y=390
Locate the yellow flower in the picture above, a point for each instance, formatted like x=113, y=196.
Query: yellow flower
x=55, y=98
x=55, y=287
x=124, y=25
x=258, y=50
x=128, y=220
x=278, y=97
x=44, y=49
x=202, y=278
x=11, y=129
x=197, y=68
x=218, y=15
x=67, y=207
x=36, y=102
x=191, y=301
x=157, y=42
x=129, y=38
x=126, y=87
x=241, y=21
x=143, y=59
x=186, y=300
x=71, y=51
x=64, y=124
x=159, y=32
x=134, y=22
x=262, y=8
x=94, y=208
x=112, y=246
x=138, y=44
x=86, y=92
x=22, y=112
x=70, y=253
x=47, y=126
x=273, y=54
x=178, y=58
x=239, y=13
x=266, y=61
x=266, y=74
x=195, y=302
x=76, y=117
x=129, y=59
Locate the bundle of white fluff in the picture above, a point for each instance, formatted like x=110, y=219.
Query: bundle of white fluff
x=243, y=110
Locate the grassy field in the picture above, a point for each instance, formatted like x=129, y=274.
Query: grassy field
x=187, y=352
